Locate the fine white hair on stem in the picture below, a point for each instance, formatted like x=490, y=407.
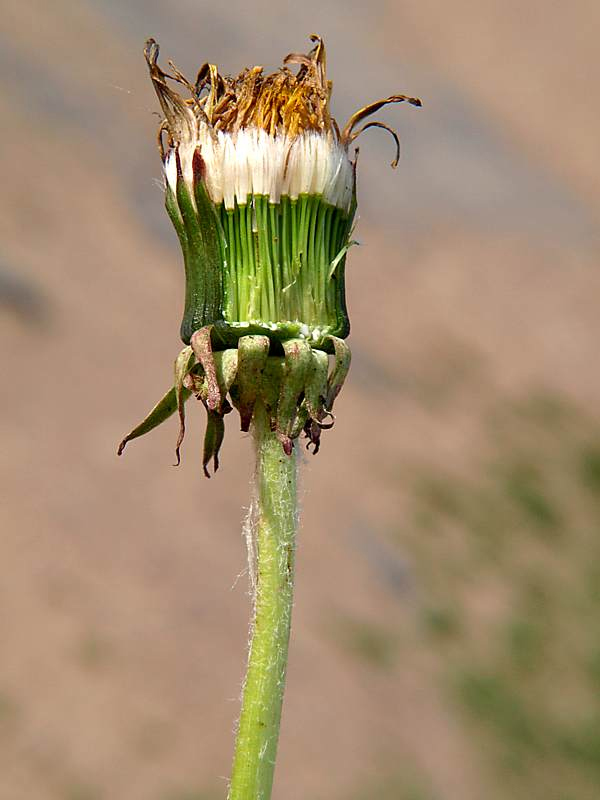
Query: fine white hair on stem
x=249, y=533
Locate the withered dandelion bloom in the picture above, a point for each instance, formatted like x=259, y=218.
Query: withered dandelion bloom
x=260, y=186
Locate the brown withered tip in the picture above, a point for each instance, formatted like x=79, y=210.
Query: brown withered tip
x=280, y=101
x=349, y=134
x=151, y=50
x=198, y=165
x=286, y=442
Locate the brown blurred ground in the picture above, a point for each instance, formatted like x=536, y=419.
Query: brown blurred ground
x=446, y=639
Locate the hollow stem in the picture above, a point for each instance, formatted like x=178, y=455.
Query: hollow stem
x=273, y=544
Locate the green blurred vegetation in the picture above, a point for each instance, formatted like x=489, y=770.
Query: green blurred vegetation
x=393, y=788
x=191, y=794
x=374, y=644
x=81, y=792
x=507, y=554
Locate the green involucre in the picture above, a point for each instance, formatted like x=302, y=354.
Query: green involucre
x=262, y=267
x=285, y=262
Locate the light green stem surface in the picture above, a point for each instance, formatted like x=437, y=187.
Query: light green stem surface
x=274, y=531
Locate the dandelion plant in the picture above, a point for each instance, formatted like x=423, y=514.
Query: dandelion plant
x=260, y=186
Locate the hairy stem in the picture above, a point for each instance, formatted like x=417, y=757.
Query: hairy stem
x=275, y=521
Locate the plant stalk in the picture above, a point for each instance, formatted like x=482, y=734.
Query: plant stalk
x=272, y=548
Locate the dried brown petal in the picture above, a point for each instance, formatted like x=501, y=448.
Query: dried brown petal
x=366, y=111
x=385, y=127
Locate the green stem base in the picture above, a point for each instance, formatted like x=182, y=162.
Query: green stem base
x=273, y=542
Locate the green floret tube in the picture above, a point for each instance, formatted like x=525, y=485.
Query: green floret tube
x=284, y=262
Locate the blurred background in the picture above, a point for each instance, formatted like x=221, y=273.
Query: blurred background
x=446, y=643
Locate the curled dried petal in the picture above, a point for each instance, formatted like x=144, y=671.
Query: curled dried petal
x=366, y=111
x=180, y=119
x=391, y=131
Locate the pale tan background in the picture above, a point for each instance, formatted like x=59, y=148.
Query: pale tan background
x=446, y=642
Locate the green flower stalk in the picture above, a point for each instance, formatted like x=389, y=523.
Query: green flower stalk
x=261, y=191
